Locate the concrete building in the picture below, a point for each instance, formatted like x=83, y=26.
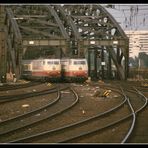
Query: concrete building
x=138, y=42
x=133, y=20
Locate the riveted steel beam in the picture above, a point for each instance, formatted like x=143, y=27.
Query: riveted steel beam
x=104, y=42
x=70, y=21
x=12, y=55
x=113, y=21
x=30, y=16
x=14, y=24
x=120, y=69
x=39, y=32
x=51, y=42
x=37, y=20
x=53, y=12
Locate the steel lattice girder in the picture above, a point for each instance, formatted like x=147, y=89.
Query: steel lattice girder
x=87, y=23
x=37, y=22
x=67, y=25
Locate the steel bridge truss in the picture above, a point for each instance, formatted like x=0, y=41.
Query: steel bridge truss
x=64, y=29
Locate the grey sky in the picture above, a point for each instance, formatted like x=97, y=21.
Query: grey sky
x=131, y=16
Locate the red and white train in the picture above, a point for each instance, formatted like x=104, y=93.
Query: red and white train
x=58, y=69
x=74, y=69
x=43, y=69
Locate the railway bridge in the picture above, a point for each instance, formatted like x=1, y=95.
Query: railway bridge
x=58, y=31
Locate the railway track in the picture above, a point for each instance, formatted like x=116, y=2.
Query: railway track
x=72, y=125
x=83, y=135
x=10, y=98
x=30, y=121
x=119, y=120
x=11, y=104
x=18, y=86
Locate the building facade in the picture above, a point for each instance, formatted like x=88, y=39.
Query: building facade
x=138, y=42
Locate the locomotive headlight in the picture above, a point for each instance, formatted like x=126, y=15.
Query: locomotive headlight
x=53, y=68
x=80, y=68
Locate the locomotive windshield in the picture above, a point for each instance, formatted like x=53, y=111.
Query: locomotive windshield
x=79, y=62
x=53, y=62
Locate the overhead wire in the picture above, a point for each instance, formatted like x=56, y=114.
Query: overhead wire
x=131, y=17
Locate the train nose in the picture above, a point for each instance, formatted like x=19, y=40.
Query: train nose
x=53, y=68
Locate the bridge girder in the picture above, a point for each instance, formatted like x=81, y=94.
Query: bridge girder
x=66, y=27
